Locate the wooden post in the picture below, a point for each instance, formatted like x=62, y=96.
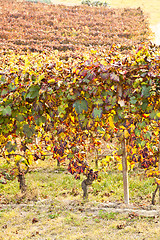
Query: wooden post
x=125, y=172
x=124, y=156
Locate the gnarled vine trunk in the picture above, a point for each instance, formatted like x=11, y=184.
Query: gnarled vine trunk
x=22, y=182
x=85, y=184
x=21, y=178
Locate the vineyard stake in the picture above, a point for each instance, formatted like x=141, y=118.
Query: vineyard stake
x=125, y=172
x=124, y=158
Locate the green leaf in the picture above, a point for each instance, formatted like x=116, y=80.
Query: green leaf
x=97, y=112
x=61, y=110
x=28, y=130
x=4, y=92
x=85, y=122
x=70, y=156
x=6, y=111
x=2, y=79
x=144, y=105
x=137, y=132
x=153, y=115
x=106, y=93
x=133, y=100
x=81, y=117
x=142, y=143
x=38, y=107
x=113, y=100
x=146, y=91
x=1, y=120
x=120, y=152
x=33, y=92
x=141, y=124
x=12, y=87
x=20, y=117
x=40, y=120
x=11, y=147
x=80, y=106
x=147, y=135
x=87, y=95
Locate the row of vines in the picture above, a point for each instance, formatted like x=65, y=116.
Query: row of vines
x=43, y=27
x=67, y=104
x=63, y=104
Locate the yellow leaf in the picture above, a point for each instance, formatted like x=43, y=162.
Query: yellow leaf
x=39, y=134
x=107, y=158
x=73, y=130
x=130, y=166
x=16, y=80
x=156, y=133
x=134, y=150
x=48, y=117
x=17, y=158
x=110, y=120
x=104, y=62
x=107, y=136
x=132, y=127
x=74, y=80
x=118, y=158
x=72, y=118
x=120, y=167
x=96, y=124
x=126, y=134
x=30, y=159
x=51, y=81
x=158, y=114
x=49, y=148
x=93, y=51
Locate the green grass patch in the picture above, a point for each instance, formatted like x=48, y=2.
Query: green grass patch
x=51, y=183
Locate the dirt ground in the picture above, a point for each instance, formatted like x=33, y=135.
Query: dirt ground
x=76, y=220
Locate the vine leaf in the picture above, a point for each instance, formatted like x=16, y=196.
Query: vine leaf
x=33, y=92
x=28, y=130
x=80, y=106
x=97, y=112
x=6, y=111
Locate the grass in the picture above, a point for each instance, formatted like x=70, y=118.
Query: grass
x=48, y=182
x=53, y=207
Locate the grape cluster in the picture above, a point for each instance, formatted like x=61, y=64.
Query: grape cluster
x=77, y=167
x=145, y=158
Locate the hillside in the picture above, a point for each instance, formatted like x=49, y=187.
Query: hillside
x=40, y=27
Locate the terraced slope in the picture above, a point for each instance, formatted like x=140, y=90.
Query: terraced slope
x=40, y=27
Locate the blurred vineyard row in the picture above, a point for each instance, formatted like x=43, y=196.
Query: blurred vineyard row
x=45, y=27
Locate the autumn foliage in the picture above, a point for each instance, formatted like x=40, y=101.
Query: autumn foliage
x=43, y=27
x=60, y=103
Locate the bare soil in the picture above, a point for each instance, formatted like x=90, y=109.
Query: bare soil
x=75, y=219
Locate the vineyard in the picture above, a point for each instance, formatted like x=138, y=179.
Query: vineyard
x=39, y=27
x=79, y=88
